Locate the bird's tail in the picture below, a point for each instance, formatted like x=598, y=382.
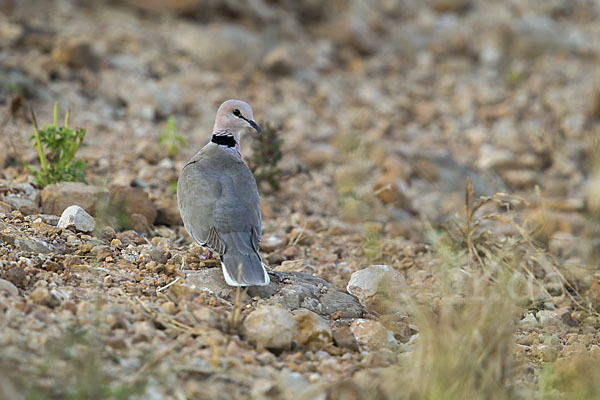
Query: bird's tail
x=244, y=270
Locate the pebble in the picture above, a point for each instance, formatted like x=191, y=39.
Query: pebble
x=42, y=296
x=313, y=330
x=8, y=287
x=76, y=53
x=272, y=327
x=379, y=287
x=76, y=217
x=17, y=276
x=372, y=335
x=343, y=337
x=278, y=62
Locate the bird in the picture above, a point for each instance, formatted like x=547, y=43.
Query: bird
x=219, y=202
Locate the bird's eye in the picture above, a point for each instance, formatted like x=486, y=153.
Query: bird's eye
x=236, y=112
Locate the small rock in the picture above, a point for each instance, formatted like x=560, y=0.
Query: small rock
x=453, y=6
x=5, y=208
x=17, y=276
x=39, y=295
x=159, y=255
x=271, y=243
x=492, y=158
x=143, y=331
x=529, y=321
x=343, y=337
x=265, y=209
x=336, y=301
x=320, y=155
x=211, y=317
x=398, y=324
x=169, y=307
x=425, y=169
x=101, y=252
x=302, y=236
x=167, y=212
x=42, y=296
x=272, y=327
x=424, y=112
x=25, y=205
x=140, y=223
x=278, y=61
x=35, y=245
x=395, y=167
x=294, y=382
x=58, y=196
x=75, y=217
x=295, y=266
x=372, y=335
x=108, y=233
x=520, y=178
x=132, y=200
x=147, y=150
x=313, y=331
x=386, y=189
x=209, y=280
x=130, y=237
x=75, y=53
x=379, y=287
x=8, y=287
x=548, y=318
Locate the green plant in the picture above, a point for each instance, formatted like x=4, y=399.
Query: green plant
x=515, y=76
x=266, y=155
x=171, y=139
x=56, y=146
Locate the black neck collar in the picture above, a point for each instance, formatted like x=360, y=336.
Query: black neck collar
x=223, y=139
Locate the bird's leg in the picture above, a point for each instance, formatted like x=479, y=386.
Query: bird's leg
x=208, y=256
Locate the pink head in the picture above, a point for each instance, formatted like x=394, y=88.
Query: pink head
x=233, y=116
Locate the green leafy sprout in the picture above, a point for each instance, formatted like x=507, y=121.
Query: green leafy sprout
x=57, y=146
x=171, y=139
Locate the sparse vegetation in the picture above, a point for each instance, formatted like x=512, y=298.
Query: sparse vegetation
x=56, y=146
x=170, y=139
x=266, y=155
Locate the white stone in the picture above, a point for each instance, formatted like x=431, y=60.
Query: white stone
x=76, y=217
x=548, y=318
x=378, y=286
x=372, y=335
x=270, y=326
x=529, y=321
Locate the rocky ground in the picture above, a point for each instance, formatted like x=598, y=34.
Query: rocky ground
x=385, y=282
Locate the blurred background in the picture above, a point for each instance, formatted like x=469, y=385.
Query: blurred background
x=396, y=101
x=384, y=109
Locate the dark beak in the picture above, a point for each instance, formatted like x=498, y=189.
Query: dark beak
x=254, y=125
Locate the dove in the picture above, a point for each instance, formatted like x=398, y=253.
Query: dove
x=218, y=198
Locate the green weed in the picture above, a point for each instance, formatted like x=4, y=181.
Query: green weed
x=171, y=139
x=266, y=155
x=57, y=146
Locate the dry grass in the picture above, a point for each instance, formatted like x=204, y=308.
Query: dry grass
x=485, y=282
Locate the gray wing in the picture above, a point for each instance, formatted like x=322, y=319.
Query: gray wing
x=197, y=193
x=238, y=207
